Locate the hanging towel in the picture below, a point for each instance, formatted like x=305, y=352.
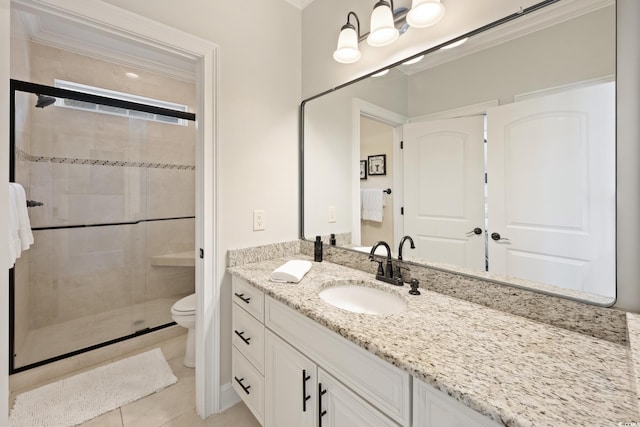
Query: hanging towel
x=20, y=235
x=14, y=239
x=371, y=204
x=24, y=229
x=291, y=271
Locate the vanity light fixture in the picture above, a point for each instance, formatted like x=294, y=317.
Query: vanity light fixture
x=347, y=51
x=387, y=24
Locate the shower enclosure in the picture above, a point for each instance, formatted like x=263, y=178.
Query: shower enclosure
x=111, y=191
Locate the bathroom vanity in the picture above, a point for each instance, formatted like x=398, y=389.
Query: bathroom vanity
x=300, y=361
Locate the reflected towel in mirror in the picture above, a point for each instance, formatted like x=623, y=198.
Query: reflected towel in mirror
x=371, y=202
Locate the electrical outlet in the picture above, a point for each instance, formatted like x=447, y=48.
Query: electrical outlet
x=332, y=214
x=258, y=220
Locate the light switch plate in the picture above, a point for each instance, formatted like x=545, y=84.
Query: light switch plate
x=332, y=214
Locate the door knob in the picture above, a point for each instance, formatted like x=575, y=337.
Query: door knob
x=476, y=230
x=497, y=237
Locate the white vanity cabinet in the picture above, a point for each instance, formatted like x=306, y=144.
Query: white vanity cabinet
x=292, y=372
x=247, y=354
x=433, y=408
x=298, y=393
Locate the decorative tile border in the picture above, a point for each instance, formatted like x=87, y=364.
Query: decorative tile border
x=20, y=154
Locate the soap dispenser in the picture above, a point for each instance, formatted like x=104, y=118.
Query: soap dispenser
x=317, y=250
x=332, y=240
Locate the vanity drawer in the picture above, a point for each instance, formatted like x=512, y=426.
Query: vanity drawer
x=248, y=337
x=383, y=385
x=249, y=298
x=248, y=383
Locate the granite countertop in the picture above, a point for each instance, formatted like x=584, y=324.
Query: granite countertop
x=517, y=371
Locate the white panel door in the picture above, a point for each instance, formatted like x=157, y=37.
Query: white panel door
x=551, y=190
x=444, y=190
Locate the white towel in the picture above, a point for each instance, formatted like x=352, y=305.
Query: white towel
x=20, y=235
x=291, y=271
x=24, y=230
x=371, y=204
x=14, y=225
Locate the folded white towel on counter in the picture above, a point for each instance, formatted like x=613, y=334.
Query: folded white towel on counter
x=371, y=204
x=291, y=271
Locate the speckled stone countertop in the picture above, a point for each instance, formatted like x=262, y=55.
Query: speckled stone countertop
x=516, y=371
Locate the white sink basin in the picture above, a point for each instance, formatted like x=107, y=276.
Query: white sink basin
x=363, y=299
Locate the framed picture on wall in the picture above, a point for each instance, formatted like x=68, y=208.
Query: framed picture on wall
x=363, y=169
x=378, y=164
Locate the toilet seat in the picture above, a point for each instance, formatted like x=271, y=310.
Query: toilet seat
x=185, y=306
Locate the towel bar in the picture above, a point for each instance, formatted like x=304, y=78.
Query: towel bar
x=388, y=191
x=33, y=203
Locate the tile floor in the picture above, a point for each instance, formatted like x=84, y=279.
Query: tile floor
x=173, y=406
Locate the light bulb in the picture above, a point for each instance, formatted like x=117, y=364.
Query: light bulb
x=425, y=13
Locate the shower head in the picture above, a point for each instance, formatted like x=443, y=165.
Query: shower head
x=44, y=101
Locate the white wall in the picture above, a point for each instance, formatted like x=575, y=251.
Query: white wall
x=5, y=19
x=321, y=24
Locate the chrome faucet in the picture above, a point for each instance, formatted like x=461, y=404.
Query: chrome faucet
x=385, y=274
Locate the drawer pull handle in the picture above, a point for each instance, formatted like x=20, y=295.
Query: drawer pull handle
x=241, y=335
x=305, y=378
x=321, y=413
x=243, y=298
x=245, y=388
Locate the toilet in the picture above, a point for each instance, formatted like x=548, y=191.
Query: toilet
x=183, y=313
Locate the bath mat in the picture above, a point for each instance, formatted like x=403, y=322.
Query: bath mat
x=74, y=400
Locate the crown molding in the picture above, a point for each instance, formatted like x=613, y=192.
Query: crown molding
x=300, y=4
x=50, y=31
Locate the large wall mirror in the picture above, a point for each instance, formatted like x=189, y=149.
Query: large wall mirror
x=496, y=156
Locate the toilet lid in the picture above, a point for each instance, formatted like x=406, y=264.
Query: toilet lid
x=186, y=304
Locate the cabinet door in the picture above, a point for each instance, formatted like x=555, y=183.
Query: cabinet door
x=433, y=408
x=340, y=407
x=290, y=381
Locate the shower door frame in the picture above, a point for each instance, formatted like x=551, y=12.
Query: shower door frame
x=209, y=266
x=34, y=88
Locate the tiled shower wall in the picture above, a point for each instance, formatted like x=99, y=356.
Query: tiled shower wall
x=75, y=272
